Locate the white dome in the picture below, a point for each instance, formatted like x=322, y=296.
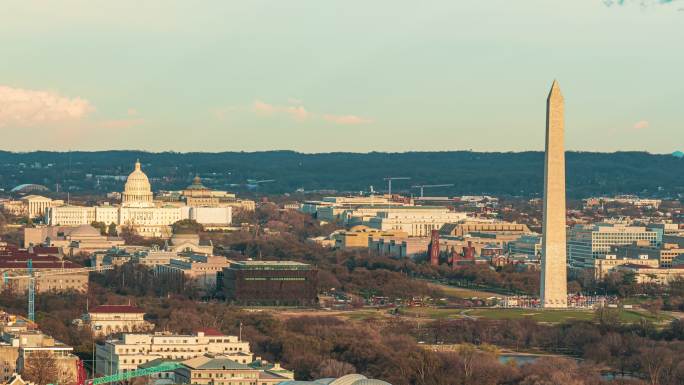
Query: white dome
x=137, y=191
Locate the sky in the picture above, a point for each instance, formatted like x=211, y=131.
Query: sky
x=339, y=75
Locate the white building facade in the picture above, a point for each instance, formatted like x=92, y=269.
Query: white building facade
x=131, y=350
x=138, y=210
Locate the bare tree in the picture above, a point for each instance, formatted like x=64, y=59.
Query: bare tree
x=41, y=368
x=333, y=368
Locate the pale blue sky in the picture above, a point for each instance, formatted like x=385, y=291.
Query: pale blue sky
x=347, y=75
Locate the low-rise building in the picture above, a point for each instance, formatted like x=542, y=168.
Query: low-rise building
x=52, y=274
x=270, y=283
x=664, y=254
x=605, y=264
x=199, y=270
x=527, y=245
x=73, y=240
x=32, y=206
x=129, y=351
x=465, y=227
x=211, y=369
x=416, y=221
x=109, y=319
x=648, y=274
x=20, y=343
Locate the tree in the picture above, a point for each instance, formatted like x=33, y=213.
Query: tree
x=187, y=226
x=111, y=231
x=100, y=226
x=41, y=368
x=654, y=307
x=333, y=368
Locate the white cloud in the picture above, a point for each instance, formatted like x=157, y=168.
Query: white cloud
x=641, y=125
x=295, y=112
x=22, y=107
x=346, y=119
x=299, y=113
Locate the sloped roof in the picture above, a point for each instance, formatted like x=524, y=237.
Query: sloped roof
x=213, y=363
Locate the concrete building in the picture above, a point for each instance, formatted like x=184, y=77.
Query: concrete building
x=20, y=342
x=109, y=319
x=674, y=239
x=657, y=275
x=398, y=244
x=467, y=226
x=198, y=195
x=527, y=245
x=588, y=242
x=554, y=293
x=32, y=206
x=52, y=274
x=189, y=243
x=212, y=369
x=341, y=203
x=83, y=239
x=199, y=270
x=361, y=237
x=270, y=283
x=605, y=264
x=129, y=351
x=623, y=199
x=664, y=254
x=139, y=211
x=416, y=221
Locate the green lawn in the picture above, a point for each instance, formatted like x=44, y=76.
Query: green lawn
x=457, y=292
x=551, y=316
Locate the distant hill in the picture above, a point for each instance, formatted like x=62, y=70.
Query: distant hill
x=512, y=173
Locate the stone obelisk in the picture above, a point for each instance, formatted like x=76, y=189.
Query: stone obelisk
x=554, y=290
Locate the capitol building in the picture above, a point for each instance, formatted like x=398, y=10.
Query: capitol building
x=140, y=211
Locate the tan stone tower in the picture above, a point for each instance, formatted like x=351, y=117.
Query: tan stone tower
x=554, y=281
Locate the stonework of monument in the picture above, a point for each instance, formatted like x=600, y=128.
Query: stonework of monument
x=554, y=291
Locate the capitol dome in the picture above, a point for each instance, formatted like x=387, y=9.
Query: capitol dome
x=137, y=191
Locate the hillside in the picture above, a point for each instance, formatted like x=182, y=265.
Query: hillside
x=471, y=172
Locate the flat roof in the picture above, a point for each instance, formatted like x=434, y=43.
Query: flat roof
x=269, y=265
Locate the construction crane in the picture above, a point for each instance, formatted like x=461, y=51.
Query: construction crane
x=165, y=367
x=32, y=276
x=424, y=186
x=389, y=180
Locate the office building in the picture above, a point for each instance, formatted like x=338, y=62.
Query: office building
x=588, y=242
x=270, y=283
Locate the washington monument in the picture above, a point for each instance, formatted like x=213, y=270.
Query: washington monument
x=554, y=290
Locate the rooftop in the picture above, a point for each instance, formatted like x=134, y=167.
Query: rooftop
x=117, y=309
x=269, y=265
x=208, y=362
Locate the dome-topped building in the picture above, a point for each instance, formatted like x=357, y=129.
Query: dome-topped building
x=137, y=191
